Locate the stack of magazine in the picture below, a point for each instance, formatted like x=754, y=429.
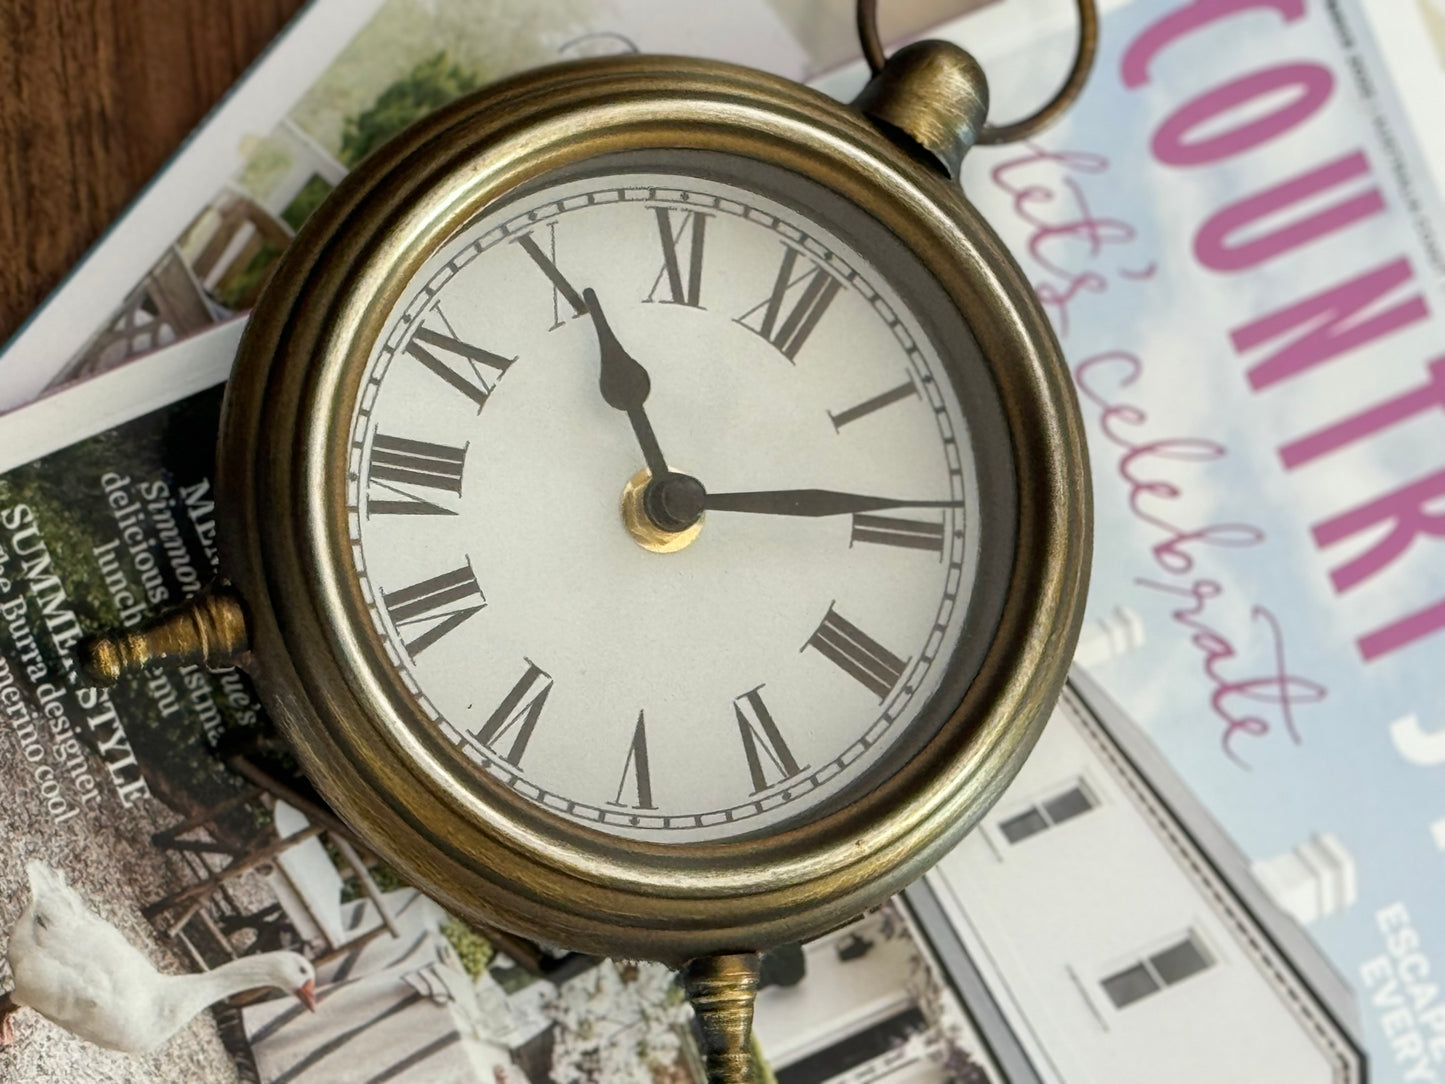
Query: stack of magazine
x=1226, y=859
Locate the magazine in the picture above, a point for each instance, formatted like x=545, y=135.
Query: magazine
x=1224, y=861
x=173, y=809
x=197, y=246
x=1238, y=237
x=182, y=823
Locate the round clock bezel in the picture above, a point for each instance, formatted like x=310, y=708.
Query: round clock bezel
x=982, y=559
x=491, y=855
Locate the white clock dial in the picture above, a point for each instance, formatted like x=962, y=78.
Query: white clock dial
x=759, y=672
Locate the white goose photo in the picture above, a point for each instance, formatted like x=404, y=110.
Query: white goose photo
x=78, y=971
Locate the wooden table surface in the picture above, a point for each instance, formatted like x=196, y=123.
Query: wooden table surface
x=100, y=93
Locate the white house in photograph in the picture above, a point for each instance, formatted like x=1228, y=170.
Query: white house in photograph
x=1102, y=929
x=1312, y=881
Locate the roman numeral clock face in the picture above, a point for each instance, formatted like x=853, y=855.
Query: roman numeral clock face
x=768, y=624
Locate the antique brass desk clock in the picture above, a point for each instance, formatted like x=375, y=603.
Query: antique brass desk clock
x=654, y=507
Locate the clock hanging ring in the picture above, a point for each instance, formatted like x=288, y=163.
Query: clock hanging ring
x=352, y=338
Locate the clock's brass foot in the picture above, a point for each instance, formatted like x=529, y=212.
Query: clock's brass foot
x=209, y=627
x=722, y=990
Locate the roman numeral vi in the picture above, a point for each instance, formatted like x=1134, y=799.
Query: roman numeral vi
x=638, y=770
x=517, y=714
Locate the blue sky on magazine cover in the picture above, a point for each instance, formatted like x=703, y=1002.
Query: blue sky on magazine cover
x=1222, y=169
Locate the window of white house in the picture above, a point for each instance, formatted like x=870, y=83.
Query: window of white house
x=1059, y=807
x=1167, y=967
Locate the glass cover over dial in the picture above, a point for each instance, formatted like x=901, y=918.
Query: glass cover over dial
x=664, y=499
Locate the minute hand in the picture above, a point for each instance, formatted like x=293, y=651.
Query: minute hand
x=811, y=502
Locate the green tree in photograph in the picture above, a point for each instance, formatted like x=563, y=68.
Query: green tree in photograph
x=429, y=86
x=307, y=200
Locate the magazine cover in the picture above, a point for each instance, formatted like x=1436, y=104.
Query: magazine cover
x=1239, y=241
x=167, y=816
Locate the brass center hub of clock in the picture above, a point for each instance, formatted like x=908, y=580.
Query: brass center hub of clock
x=640, y=525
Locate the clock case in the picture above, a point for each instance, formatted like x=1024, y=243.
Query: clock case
x=482, y=850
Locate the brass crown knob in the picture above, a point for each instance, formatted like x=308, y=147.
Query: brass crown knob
x=209, y=628
x=935, y=95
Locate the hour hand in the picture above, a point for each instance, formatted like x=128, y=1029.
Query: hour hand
x=624, y=383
